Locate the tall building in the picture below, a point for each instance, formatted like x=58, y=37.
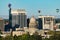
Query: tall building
x=46, y=22
x=19, y=18
x=10, y=16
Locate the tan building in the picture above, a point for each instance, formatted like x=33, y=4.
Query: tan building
x=17, y=33
x=32, y=25
x=1, y=24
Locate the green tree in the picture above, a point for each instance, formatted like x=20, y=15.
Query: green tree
x=58, y=37
x=25, y=37
x=0, y=32
x=8, y=38
x=1, y=38
x=20, y=37
x=36, y=36
x=15, y=38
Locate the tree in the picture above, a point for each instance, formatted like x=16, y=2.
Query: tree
x=15, y=37
x=1, y=38
x=0, y=32
x=20, y=37
x=25, y=37
x=8, y=38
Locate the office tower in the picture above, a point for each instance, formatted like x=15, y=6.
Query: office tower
x=19, y=18
x=8, y=25
x=46, y=22
x=1, y=24
x=10, y=16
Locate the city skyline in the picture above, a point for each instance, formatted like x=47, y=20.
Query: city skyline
x=47, y=7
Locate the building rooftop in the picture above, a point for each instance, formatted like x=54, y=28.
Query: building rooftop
x=16, y=11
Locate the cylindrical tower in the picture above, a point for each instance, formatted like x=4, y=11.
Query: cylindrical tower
x=10, y=16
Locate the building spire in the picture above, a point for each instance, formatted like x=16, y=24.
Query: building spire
x=9, y=5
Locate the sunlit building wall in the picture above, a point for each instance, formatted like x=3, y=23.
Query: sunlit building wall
x=1, y=24
x=46, y=22
x=19, y=18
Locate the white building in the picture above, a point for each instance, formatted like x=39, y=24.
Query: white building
x=57, y=26
x=46, y=22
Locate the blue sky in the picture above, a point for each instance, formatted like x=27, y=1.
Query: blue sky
x=47, y=7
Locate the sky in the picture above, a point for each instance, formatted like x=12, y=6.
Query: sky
x=47, y=7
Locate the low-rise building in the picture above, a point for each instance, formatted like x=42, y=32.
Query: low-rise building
x=1, y=24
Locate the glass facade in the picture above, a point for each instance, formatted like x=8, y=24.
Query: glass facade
x=20, y=19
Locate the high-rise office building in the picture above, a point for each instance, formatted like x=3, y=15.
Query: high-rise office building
x=10, y=16
x=19, y=18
